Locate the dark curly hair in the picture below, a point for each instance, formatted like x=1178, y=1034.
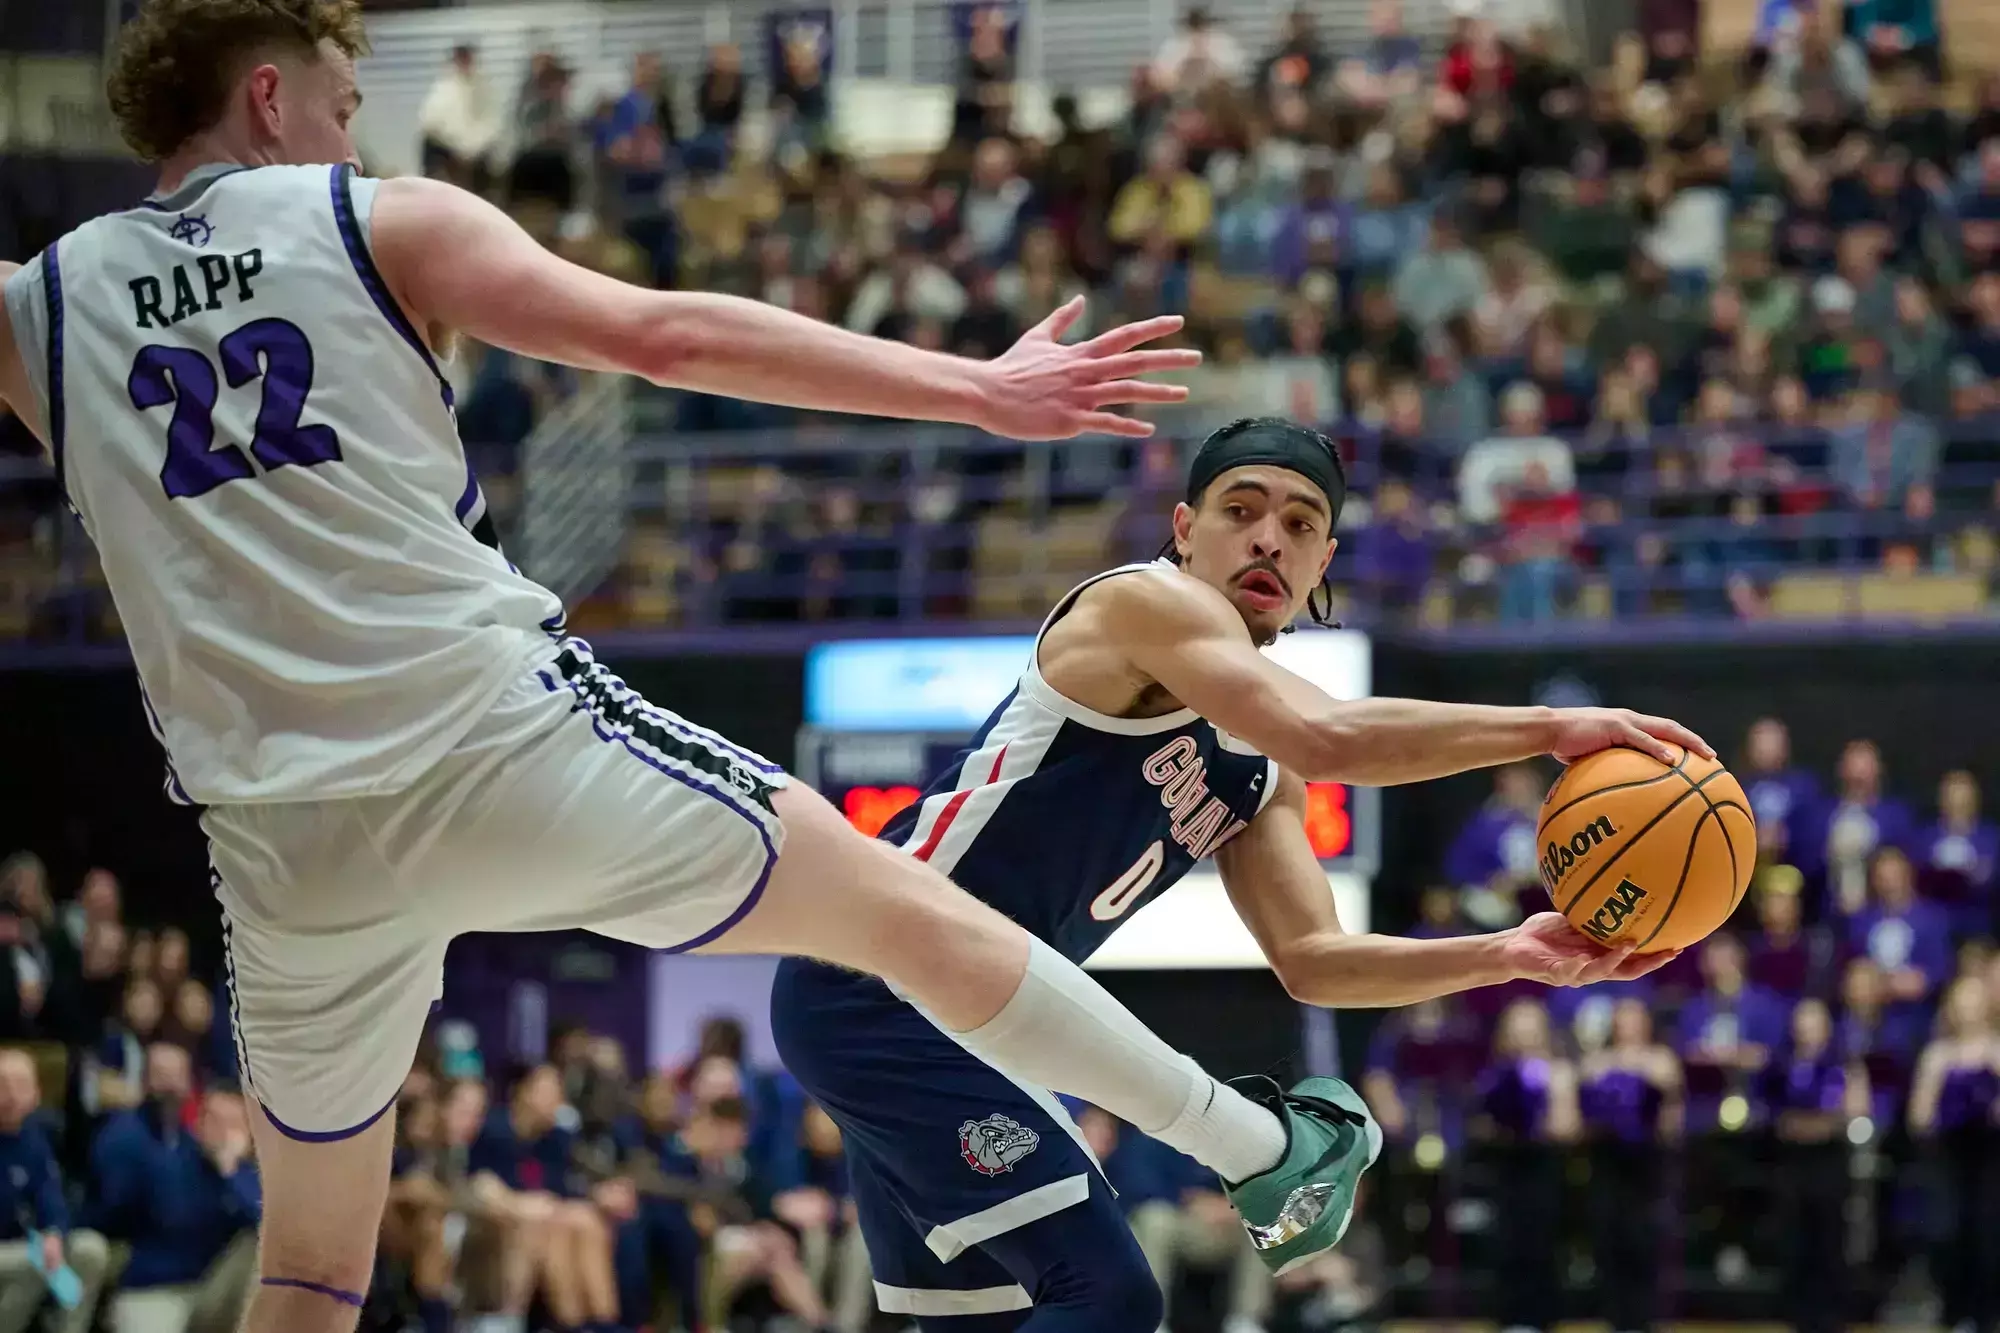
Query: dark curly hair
x=178, y=59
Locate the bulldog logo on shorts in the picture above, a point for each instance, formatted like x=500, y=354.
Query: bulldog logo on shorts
x=992, y=1146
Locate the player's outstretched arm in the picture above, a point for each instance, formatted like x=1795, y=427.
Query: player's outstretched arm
x=1279, y=889
x=1178, y=631
x=457, y=262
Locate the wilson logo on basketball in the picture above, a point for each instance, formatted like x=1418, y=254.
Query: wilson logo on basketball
x=1602, y=924
x=1558, y=858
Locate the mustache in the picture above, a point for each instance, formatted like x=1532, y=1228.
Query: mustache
x=1263, y=567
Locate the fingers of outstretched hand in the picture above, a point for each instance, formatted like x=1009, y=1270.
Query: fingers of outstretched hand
x=1135, y=391
x=1604, y=966
x=1644, y=964
x=1666, y=729
x=1060, y=320
x=1110, y=423
x=1127, y=336
x=1127, y=364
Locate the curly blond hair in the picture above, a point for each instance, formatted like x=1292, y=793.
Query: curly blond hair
x=177, y=60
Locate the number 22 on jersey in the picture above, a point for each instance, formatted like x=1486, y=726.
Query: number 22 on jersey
x=273, y=350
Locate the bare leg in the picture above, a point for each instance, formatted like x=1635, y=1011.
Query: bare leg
x=1007, y=998
x=863, y=904
x=595, y=1239
x=322, y=1205
x=562, y=1268
x=790, y=1283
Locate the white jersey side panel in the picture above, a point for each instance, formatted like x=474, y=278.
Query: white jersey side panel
x=268, y=461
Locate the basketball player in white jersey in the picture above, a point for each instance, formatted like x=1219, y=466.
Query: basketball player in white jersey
x=392, y=740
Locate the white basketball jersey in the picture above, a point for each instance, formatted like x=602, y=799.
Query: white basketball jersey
x=264, y=451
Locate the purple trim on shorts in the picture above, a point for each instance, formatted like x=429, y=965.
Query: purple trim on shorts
x=330, y=1136
x=235, y=1015
x=730, y=922
x=318, y=1289
x=556, y=685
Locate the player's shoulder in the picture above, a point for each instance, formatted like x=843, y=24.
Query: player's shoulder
x=320, y=180
x=1153, y=598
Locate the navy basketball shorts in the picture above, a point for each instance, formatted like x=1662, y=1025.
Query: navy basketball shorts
x=571, y=804
x=945, y=1152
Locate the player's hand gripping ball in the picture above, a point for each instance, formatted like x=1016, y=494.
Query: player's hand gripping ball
x=1634, y=851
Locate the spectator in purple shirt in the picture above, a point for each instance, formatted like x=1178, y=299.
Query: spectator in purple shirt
x=1727, y=1030
x=1629, y=1101
x=1419, y=1062
x=1525, y=1104
x=1785, y=958
x=1906, y=937
x=1854, y=824
x=1493, y=858
x=1885, y=1044
x=1810, y=1095
x=1392, y=557
x=1953, y=1105
x=1956, y=856
x=1782, y=795
x=1310, y=233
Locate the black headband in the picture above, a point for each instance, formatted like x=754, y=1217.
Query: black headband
x=1275, y=442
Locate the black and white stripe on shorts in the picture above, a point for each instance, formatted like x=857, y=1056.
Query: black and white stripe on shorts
x=741, y=778
x=235, y=1017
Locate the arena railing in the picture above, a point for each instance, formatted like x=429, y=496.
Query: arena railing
x=847, y=525
x=898, y=524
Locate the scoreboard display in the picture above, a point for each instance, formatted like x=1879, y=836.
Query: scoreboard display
x=883, y=716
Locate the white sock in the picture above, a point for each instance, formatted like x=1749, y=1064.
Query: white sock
x=1064, y=1031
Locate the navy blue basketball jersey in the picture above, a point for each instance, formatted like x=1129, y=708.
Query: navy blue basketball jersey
x=1068, y=820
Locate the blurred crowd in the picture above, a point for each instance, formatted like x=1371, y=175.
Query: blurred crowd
x=1625, y=339
x=571, y=1194
x=1804, y=1107
x=125, y=1161
x=715, y=1196
x=1668, y=333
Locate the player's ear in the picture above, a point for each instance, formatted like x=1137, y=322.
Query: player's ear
x=1183, y=529
x=1332, y=545
x=260, y=92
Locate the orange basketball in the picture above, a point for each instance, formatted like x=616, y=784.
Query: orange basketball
x=1635, y=851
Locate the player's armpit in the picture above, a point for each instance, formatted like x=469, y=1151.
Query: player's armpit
x=1280, y=890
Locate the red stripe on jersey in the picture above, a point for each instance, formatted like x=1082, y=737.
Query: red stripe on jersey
x=953, y=806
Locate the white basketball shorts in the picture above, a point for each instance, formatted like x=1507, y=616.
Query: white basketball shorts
x=572, y=804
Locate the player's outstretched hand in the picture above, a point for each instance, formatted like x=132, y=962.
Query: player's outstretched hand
x=1042, y=388
x=1582, y=731
x=1547, y=948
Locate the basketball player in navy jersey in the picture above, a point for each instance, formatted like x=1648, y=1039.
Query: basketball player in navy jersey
x=1148, y=732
